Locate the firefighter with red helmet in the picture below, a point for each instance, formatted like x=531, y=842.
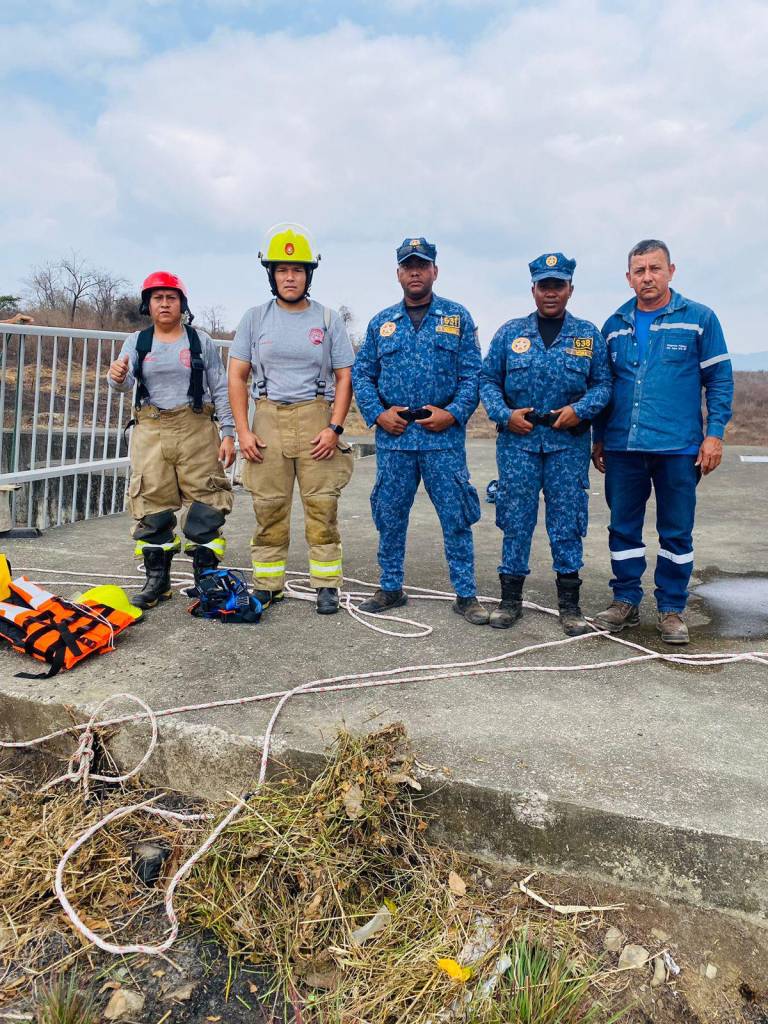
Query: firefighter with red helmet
x=178, y=450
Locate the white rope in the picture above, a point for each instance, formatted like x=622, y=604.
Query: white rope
x=78, y=770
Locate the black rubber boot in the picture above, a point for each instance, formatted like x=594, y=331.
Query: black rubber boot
x=203, y=558
x=571, y=618
x=268, y=597
x=384, y=600
x=157, y=565
x=511, y=606
x=327, y=600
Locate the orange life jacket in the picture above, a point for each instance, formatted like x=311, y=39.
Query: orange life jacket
x=55, y=630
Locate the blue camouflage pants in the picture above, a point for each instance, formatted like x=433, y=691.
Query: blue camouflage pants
x=446, y=481
x=564, y=477
x=628, y=480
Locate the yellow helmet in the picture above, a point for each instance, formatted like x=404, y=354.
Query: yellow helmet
x=112, y=597
x=288, y=243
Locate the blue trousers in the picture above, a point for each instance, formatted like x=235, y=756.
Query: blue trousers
x=564, y=477
x=629, y=477
x=446, y=480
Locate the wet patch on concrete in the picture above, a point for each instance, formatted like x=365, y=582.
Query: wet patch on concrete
x=737, y=604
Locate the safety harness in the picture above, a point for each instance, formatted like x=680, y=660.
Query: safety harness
x=54, y=630
x=258, y=367
x=223, y=594
x=197, y=367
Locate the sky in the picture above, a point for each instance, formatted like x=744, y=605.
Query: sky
x=166, y=134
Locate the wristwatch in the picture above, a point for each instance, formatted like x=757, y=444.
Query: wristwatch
x=336, y=428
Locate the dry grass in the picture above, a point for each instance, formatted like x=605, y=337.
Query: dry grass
x=288, y=885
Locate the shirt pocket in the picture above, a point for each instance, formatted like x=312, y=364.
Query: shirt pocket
x=675, y=345
x=517, y=379
x=446, y=355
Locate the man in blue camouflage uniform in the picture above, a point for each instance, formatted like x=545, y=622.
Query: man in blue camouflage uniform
x=665, y=349
x=416, y=378
x=546, y=376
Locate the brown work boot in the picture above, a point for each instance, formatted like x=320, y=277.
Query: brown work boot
x=672, y=627
x=470, y=609
x=617, y=615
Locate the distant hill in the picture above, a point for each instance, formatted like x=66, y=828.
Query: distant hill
x=749, y=360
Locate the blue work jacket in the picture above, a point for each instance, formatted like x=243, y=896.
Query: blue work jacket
x=656, y=403
x=519, y=372
x=437, y=365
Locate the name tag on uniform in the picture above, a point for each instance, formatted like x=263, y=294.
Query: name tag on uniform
x=449, y=325
x=581, y=347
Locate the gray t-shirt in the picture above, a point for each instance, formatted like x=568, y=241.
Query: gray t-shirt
x=290, y=346
x=166, y=371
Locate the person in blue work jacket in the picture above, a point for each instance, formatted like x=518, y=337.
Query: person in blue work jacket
x=545, y=378
x=664, y=350
x=416, y=378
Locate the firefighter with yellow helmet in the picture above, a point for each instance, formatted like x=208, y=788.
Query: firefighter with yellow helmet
x=299, y=357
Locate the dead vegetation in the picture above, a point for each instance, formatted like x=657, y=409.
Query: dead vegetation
x=329, y=887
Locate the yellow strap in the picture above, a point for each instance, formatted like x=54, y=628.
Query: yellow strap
x=5, y=578
x=172, y=545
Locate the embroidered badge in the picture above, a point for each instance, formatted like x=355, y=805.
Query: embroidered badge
x=316, y=335
x=521, y=345
x=449, y=325
x=387, y=329
x=415, y=243
x=582, y=343
x=551, y=261
x=586, y=352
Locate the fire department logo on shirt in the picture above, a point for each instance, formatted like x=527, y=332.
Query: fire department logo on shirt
x=520, y=345
x=185, y=358
x=316, y=335
x=388, y=329
x=551, y=261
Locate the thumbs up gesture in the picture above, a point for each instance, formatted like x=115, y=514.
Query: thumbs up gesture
x=119, y=369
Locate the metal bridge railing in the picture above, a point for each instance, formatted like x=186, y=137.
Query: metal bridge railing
x=63, y=453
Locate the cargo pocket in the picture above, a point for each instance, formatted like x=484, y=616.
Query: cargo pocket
x=345, y=464
x=468, y=498
x=135, y=500
x=375, y=501
x=221, y=491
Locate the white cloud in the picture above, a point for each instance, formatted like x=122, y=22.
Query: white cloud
x=569, y=125
x=83, y=47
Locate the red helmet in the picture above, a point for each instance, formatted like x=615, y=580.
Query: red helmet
x=162, y=279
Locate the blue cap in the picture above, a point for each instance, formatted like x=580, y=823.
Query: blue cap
x=416, y=247
x=552, y=264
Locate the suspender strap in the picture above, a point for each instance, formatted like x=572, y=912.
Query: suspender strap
x=259, y=380
x=325, y=366
x=197, y=370
x=143, y=346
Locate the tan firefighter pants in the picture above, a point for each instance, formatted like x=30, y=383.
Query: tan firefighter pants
x=287, y=431
x=175, y=463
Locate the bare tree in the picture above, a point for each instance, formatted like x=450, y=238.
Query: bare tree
x=348, y=318
x=78, y=280
x=212, y=319
x=45, y=285
x=106, y=292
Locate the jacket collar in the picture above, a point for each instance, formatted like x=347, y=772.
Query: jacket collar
x=569, y=325
x=436, y=308
x=676, y=301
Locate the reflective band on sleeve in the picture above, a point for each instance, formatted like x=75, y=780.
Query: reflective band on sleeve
x=715, y=359
x=677, y=559
x=677, y=327
x=615, y=334
x=620, y=556
x=269, y=568
x=324, y=568
x=172, y=545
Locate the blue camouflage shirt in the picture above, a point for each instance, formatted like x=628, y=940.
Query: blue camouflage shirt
x=519, y=373
x=437, y=365
x=656, y=403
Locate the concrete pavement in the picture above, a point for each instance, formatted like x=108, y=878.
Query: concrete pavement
x=651, y=774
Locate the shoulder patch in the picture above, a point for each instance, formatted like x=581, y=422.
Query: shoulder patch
x=387, y=329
